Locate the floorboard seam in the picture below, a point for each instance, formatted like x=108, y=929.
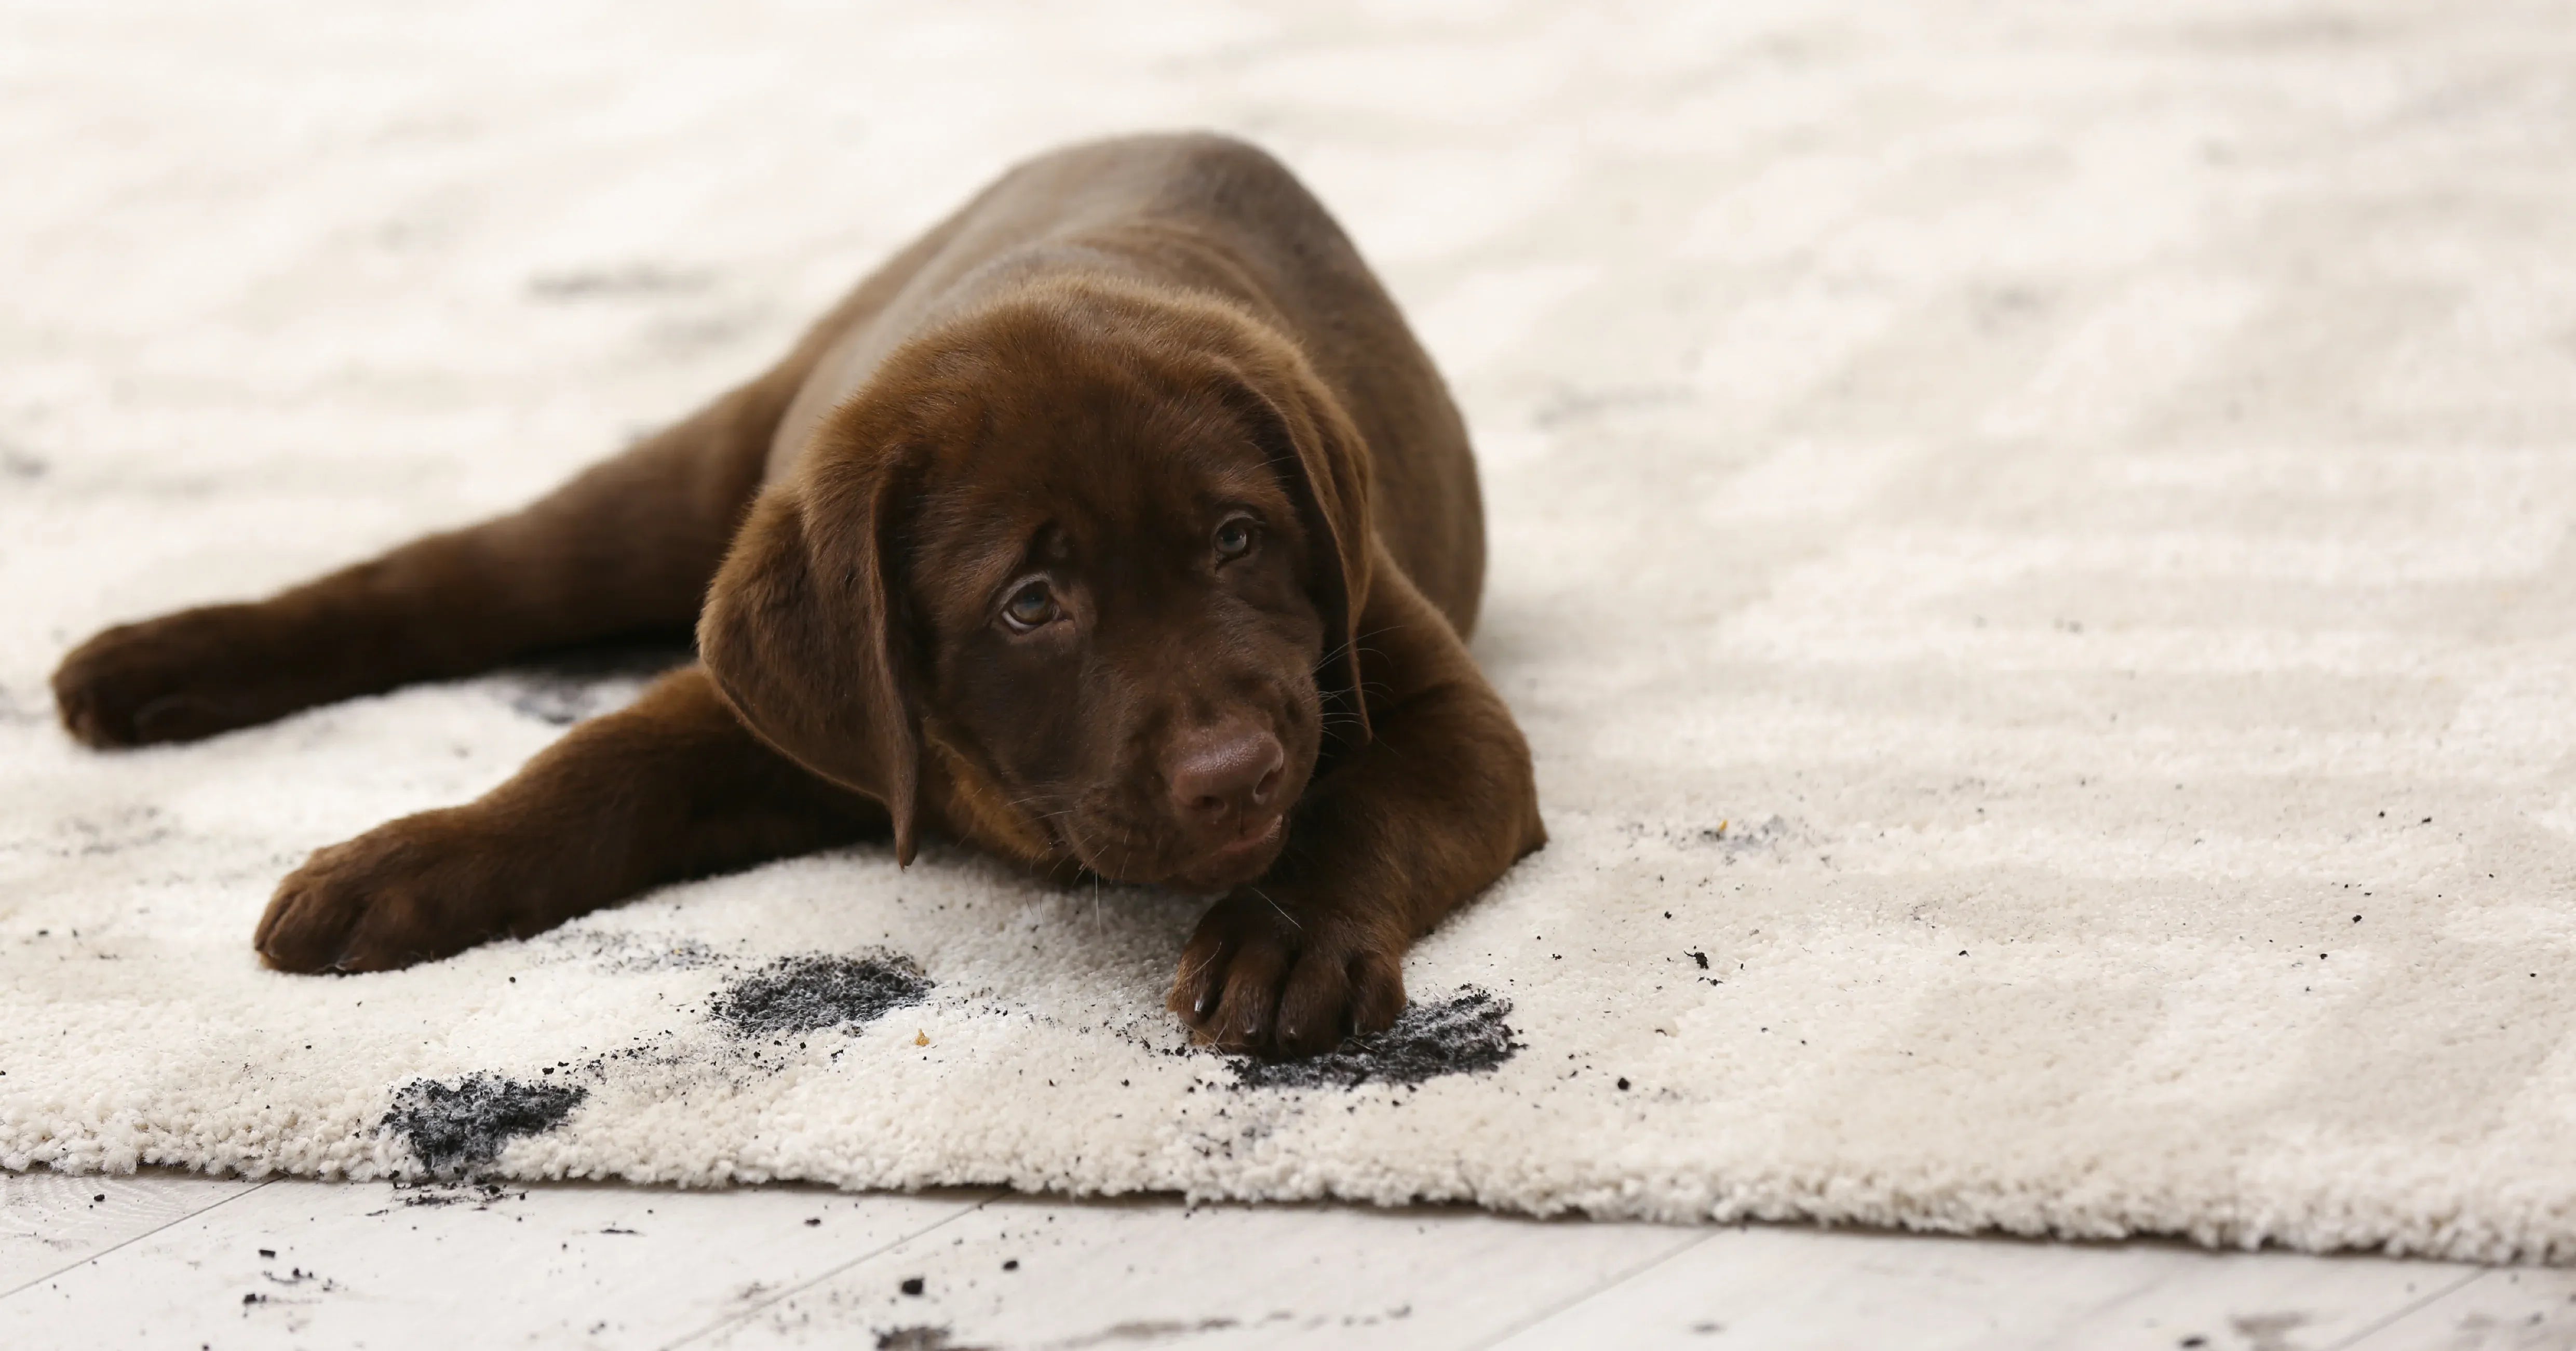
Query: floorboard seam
x=1603, y=1288
x=746, y=1315
x=16, y=1291
x=2426, y=1302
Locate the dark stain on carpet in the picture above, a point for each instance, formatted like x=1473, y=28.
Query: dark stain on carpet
x=919, y=1338
x=1462, y=1034
x=622, y=950
x=457, y=1128
x=569, y=684
x=813, y=991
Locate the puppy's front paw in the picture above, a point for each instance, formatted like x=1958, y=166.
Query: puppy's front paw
x=1273, y=979
x=176, y=678
x=412, y=890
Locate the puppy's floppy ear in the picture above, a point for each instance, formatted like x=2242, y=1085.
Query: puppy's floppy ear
x=1318, y=453
x=805, y=634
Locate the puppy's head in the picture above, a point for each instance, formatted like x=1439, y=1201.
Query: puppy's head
x=1098, y=553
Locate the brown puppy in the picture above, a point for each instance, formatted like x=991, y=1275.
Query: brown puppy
x=1118, y=523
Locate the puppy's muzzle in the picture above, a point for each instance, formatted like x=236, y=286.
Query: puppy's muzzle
x=1225, y=785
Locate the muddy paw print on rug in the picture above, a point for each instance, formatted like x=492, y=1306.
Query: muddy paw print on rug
x=1462, y=1034
x=1261, y=1104
x=812, y=991
x=457, y=1129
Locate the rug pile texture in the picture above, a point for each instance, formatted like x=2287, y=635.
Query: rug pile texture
x=2031, y=544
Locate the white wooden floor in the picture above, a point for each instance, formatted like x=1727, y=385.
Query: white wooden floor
x=173, y=1260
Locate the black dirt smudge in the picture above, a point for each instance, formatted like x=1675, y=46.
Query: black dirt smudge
x=1739, y=837
x=622, y=950
x=919, y=1338
x=560, y=703
x=573, y=683
x=456, y=1128
x=1463, y=1034
x=818, y=990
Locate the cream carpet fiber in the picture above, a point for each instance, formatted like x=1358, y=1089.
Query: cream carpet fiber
x=2032, y=547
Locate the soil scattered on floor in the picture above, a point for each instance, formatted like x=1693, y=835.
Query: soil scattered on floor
x=456, y=1128
x=817, y=990
x=1462, y=1034
x=480, y=1195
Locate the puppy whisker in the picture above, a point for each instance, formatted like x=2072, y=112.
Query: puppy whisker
x=1339, y=648
x=1283, y=914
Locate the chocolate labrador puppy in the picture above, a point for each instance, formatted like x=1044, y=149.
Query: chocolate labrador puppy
x=1117, y=524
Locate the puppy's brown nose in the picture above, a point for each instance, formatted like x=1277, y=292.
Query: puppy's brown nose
x=1226, y=776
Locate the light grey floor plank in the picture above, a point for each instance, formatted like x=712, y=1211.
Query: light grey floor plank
x=301, y=1263
x=2508, y=1309
x=1785, y=1289
x=178, y=1260
x=1113, y=1273
x=50, y=1222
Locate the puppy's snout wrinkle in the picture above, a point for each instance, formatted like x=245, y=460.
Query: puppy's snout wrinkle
x=1227, y=776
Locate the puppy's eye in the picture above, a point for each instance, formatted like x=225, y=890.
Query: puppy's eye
x=1030, y=606
x=1234, y=539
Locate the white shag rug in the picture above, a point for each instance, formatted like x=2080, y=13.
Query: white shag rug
x=2031, y=544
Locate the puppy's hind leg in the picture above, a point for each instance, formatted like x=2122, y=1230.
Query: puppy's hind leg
x=670, y=787
x=627, y=547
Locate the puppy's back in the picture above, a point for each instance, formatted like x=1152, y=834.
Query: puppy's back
x=1202, y=212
